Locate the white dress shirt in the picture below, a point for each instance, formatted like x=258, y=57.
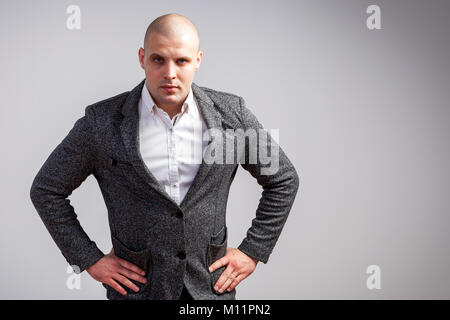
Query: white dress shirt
x=171, y=149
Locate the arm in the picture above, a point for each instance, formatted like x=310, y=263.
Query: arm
x=279, y=190
x=278, y=195
x=71, y=162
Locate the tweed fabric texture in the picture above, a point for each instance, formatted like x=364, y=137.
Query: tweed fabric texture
x=174, y=244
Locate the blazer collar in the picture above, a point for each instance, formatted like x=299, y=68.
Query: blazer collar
x=130, y=136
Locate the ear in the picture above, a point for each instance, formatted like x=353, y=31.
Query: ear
x=141, y=55
x=198, y=60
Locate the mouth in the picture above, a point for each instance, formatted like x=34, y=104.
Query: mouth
x=169, y=87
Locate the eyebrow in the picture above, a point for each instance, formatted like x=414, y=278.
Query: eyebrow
x=155, y=55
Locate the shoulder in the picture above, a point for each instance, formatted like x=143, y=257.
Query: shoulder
x=226, y=103
x=221, y=95
x=106, y=112
x=108, y=105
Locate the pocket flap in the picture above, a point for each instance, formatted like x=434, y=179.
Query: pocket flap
x=217, y=249
x=220, y=237
x=139, y=258
x=218, y=245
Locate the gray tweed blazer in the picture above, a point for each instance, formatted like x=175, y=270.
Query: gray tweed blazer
x=173, y=243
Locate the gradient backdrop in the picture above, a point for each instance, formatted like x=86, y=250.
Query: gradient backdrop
x=363, y=114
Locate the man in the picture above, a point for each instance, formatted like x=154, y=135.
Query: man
x=166, y=213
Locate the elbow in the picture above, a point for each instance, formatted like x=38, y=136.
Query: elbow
x=35, y=194
x=295, y=180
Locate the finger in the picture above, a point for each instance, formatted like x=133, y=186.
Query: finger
x=235, y=282
x=125, y=281
x=229, y=280
x=132, y=267
x=132, y=275
x=113, y=284
x=218, y=264
x=225, y=285
x=223, y=277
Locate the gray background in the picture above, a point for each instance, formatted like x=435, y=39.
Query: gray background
x=363, y=115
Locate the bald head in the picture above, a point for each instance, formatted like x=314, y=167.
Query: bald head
x=173, y=25
x=170, y=58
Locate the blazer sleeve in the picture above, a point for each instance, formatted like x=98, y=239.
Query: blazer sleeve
x=278, y=195
x=70, y=163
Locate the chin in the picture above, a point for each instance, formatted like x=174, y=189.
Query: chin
x=172, y=99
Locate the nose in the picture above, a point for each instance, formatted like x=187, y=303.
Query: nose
x=170, y=72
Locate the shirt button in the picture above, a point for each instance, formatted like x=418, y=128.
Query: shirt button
x=181, y=255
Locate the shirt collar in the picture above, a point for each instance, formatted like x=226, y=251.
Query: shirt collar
x=189, y=105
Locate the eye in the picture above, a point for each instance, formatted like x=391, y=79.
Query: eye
x=158, y=59
x=182, y=61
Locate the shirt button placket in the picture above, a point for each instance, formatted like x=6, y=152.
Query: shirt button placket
x=173, y=168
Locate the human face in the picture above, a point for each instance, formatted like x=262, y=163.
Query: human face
x=170, y=64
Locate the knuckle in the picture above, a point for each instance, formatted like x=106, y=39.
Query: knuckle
x=127, y=282
x=108, y=274
x=112, y=273
x=123, y=271
x=121, y=262
x=113, y=267
x=134, y=276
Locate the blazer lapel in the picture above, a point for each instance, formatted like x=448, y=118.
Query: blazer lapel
x=129, y=131
x=213, y=120
x=130, y=136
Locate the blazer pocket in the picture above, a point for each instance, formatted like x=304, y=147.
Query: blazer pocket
x=216, y=250
x=119, y=164
x=114, y=166
x=121, y=171
x=142, y=259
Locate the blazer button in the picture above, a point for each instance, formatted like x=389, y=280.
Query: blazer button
x=179, y=214
x=181, y=255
